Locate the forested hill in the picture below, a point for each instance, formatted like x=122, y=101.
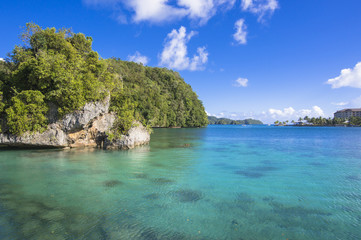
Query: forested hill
x=226, y=121
x=159, y=96
x=59, y=68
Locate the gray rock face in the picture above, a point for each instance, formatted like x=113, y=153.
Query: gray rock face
x=78, y=119
x=52, y=137
x=84, y=128
x=137, y=135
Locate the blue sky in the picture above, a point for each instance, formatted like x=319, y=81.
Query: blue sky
x=266, y=59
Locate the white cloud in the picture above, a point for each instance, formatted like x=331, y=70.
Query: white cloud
x=281, y=113
x=199, y=60
x=318, y=111
x=348, y=78
x=201, y=9
x=219, y=115
x=340, y=103
x=304, y=112
x=2, y=60
x=241, y=82
x=164, y=10
x=138, y=58
x=354, y=103
x=291, y=114
x=175, y=53
x=241, y=32
x=154, y=10
x=260, y=7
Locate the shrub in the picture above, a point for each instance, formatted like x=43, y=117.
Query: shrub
x=27, y=112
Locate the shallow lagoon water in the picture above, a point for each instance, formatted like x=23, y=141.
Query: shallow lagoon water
x=219, y=182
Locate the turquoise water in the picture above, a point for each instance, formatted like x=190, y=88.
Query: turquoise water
x=220, y=182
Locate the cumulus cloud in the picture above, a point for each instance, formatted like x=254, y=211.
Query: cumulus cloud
x=348, y=78
x=241, y=32
x=281, y=113
x=241, y=82
x=175, y=52
x=261, y=8
x=201, y=9
x=164, y=10
x=138, y=58
x=318, y=111
x=290, y=113
x=2, y=60
x=154, y=10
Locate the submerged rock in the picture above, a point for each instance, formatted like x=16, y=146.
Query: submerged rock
x=244, y=201
x=187, y=195
x=112, y=183
x=249, y=174
x=255, y=172
x=162, y=180
x=141, y=175
x=152, y=196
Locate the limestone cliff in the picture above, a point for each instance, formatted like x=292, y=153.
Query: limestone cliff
x=87, y=127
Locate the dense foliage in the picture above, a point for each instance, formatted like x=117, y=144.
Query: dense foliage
x=157, y=97
x=27, y=112
x=226, y=121
x=60, y=67
x=320, y=121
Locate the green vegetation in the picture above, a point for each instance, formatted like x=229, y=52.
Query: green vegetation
x=279, y=123
x=320, y=121
x=226, y=121
x=157, y=97
x=60, y=67
x=27, y=112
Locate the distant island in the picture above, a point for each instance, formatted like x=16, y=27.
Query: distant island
x=353, y=121
x=226, y=121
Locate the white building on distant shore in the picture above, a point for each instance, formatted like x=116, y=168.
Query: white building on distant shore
x=347, y=113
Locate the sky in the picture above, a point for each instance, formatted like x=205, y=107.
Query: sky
x=263, y=59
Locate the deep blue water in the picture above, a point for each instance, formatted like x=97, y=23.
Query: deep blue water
x=220, y=182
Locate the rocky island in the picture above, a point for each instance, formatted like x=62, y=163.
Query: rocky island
x=87, y=127
x=57, y=92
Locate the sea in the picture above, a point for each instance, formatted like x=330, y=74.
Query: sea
x=219, y=182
